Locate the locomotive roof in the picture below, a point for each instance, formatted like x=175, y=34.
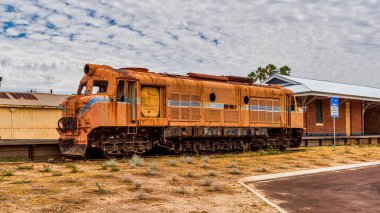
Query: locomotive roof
x=236, y=80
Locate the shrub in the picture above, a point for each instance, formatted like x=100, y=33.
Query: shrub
x=115, y=169
x=233, y=164
x=271, y=151
x=8, y=172
x=127, y=178
x=22, y=181
x=190, y=173
x=261, y=170
x=24, y=167
x=137, y=160
x=206, y=182
x=347, y=150
x=216, y=187
x=73, y=168
x=181, y=190
x=100, y=189
x=141, y=195
x=187, y=159
x=204, y=165
x=173, y=177
x=211, y=173
x=154, y=165
x=205, y=159
x=149, y=172
x=137, y=184
x=109, y=164
x=235, y=171
x=132, y=165
x=56, y=173
x=45, y=168
x=172, y=162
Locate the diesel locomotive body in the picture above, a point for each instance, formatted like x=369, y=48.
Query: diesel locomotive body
x=132, y=110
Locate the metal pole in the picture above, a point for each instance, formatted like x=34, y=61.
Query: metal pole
x=334, y=133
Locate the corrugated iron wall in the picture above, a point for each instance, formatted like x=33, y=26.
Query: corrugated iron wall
x=29, y=123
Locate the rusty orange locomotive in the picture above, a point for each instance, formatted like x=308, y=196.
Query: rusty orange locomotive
x=125, y=111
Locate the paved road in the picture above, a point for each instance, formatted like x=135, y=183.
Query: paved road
x=343, y=191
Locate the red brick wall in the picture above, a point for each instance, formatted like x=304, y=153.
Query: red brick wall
x=327, y=128
x=357, y=117
x=372, y=120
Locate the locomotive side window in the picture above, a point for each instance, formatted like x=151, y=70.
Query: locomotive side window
x=292, y=105
x=120, y=91
x=99, y=87
x=212, y=97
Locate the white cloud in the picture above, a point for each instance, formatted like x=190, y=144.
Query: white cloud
x=334, y=40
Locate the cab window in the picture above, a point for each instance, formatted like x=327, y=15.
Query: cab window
x=99, y=87
x=82, y=89
x=120, y=91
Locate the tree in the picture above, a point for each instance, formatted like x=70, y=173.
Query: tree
x=260, y=74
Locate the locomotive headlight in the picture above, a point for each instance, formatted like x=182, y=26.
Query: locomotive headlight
x=89, y=69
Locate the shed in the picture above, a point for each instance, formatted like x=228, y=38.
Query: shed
x=29, y=115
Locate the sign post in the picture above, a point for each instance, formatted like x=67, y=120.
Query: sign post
x=334, y=109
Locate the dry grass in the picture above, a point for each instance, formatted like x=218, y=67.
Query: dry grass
x=171, y=187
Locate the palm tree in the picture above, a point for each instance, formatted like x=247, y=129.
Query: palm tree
x=260, y=74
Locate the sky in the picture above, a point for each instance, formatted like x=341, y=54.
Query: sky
x=45, y=43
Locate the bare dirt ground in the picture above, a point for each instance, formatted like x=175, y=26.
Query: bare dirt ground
x=194, y=184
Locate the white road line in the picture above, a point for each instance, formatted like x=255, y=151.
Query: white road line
x=251, y=179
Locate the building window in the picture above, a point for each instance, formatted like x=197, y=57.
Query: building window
x=319, y=112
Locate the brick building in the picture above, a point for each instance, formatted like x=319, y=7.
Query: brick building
x=359, y=106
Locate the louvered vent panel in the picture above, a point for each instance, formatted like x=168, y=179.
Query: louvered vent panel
x=174, y=113
x=174, y=106
x=212, y=115
x=231, y=116
x=174, y=96
x=268, y=111
x=195, y=114
x=185, y=97
x=276, y=111
x=196, y=98
x=185, y=113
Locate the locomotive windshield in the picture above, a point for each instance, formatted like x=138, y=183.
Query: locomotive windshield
x=99, y=87
x=82, y=89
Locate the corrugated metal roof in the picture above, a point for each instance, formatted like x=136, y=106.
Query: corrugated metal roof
x=30, y=99
x=303, y=86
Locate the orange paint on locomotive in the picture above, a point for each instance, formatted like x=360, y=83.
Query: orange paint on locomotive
x=111, y=98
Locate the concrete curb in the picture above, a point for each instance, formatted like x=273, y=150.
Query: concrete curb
x=306, y=172
x=251, y=179
x=262, y=197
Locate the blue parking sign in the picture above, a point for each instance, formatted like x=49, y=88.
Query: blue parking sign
x=334, y=101
x=334, y=107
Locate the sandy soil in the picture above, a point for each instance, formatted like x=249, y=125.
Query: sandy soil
x=62, y=189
